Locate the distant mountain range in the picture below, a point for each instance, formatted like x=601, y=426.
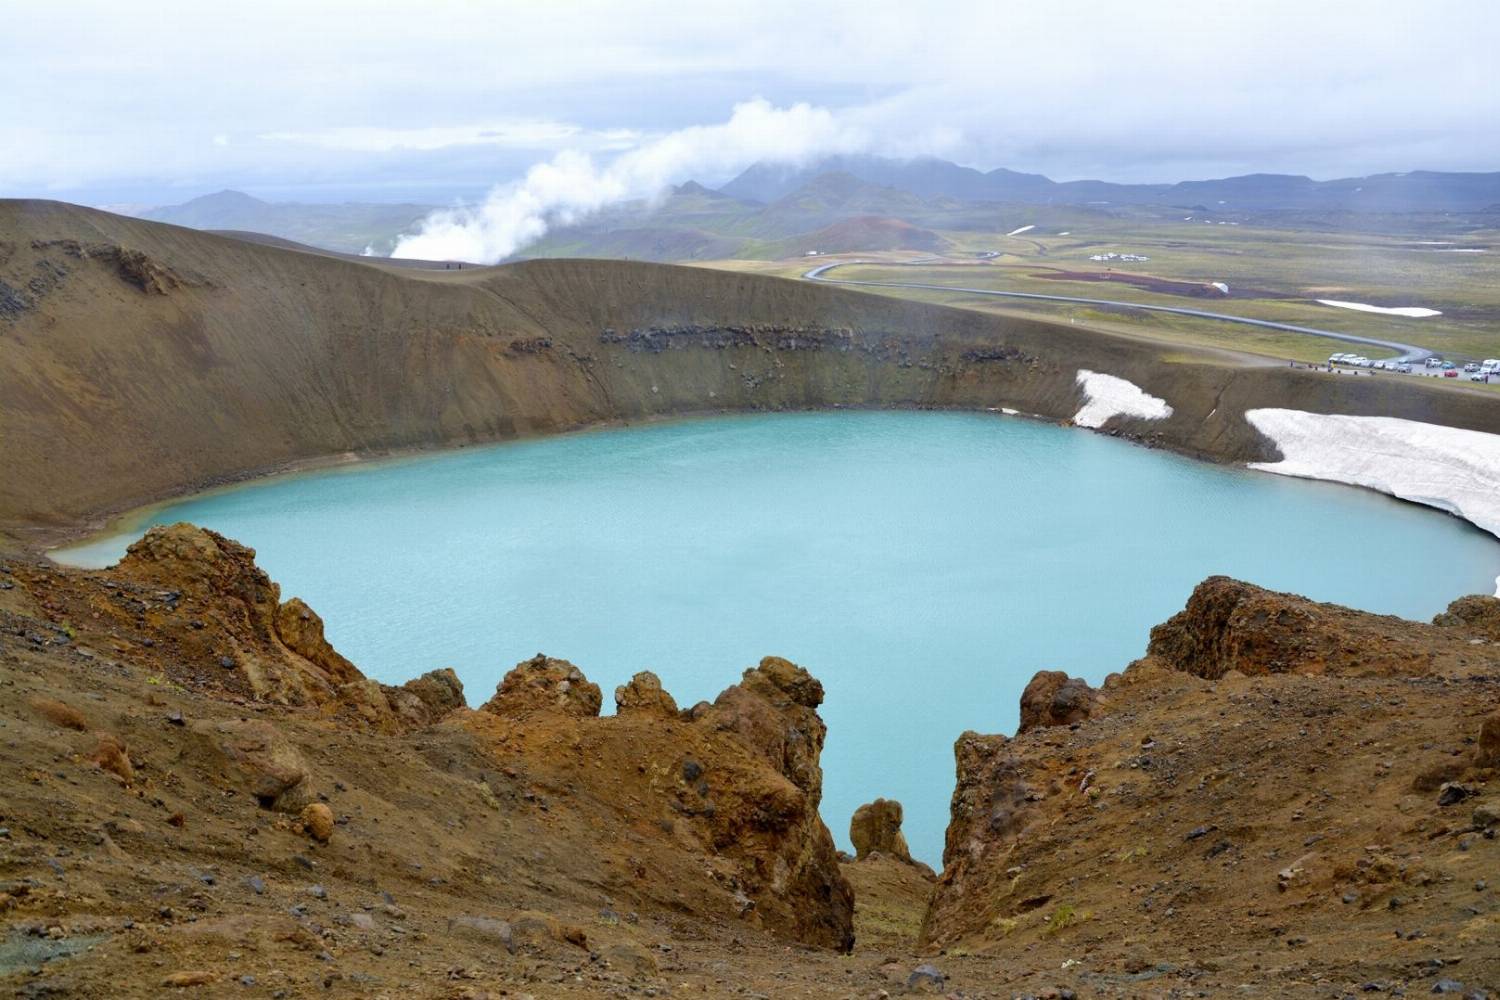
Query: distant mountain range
x=349, y=227
x=858, y=203
x=1416, y=191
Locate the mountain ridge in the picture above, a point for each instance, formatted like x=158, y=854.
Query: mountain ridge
x=1416, y=190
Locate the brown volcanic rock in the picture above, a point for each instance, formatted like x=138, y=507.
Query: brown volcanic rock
x=278, y=649
x=203, y=563
x=1261, y=834
x=1488, y=752
x=436, y=693
x=544, y=684
x=768, y=819
x=644, y=693
x=875, y=828
x=734, y=792
x=774, y=710
x=1477, y=616
x=1228, y=625
x=1274, y=767
x=300, y=628
x=1055, y=699
x=256, y=758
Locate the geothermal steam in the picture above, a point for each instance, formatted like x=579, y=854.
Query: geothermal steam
x=571, y=185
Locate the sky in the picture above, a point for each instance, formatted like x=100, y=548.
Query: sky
x=111, y=104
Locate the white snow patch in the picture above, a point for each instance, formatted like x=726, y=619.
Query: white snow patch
x=1413, y=312
x=1069, y=233
x=1462, y=250
x=1109, y=396
x=1445, y=467
x=1018, y=232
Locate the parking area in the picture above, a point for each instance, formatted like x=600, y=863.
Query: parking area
x=1473, y=371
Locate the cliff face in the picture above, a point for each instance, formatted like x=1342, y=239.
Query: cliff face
x=1310, y=782
x=139, y=359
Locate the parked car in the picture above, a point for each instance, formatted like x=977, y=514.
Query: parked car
x=1479, y=377
x=1449, y=366
x=1472, y=366
x=1450, y=373
x=1433, y=362
x=1404, y=369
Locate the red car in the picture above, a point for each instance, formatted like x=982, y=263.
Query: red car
x=1451, y=374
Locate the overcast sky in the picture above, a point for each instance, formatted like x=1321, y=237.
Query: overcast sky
x=109, y=102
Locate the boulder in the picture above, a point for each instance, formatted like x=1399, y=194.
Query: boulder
x=111, y=756
x=926, y=979
x=487, y=930
x=317, y=820
x=1487, y=754
x=257, y=759
x=543, y=684
x=439, y=692
x=876, y=829
x=1055, y=699
x=644, y=694
x=631, y=959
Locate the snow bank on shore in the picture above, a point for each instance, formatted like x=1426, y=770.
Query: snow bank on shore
x=1109, y=396
x=1445, y=467
x=1411, y=312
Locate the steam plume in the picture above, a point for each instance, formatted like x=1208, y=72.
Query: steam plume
x=571, y=185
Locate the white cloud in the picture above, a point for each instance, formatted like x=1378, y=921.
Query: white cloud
x=517, y=134
x=357, y=91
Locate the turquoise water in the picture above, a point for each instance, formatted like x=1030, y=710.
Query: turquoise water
x=922, y=565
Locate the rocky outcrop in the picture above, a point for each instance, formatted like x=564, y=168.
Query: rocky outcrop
x=1229, y=625
x=774, y=710
x=1055, y=699
x=543, y=684
x=300, y=628
x=644, y=694
x=875, y=828
x=732, y=789
x=1476, y=616
x=237, y=623
x=989, y=811
x=769, y=818
x=431, y=696
x=1235, y=772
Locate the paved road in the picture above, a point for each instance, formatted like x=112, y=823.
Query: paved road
x=1408, y=352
